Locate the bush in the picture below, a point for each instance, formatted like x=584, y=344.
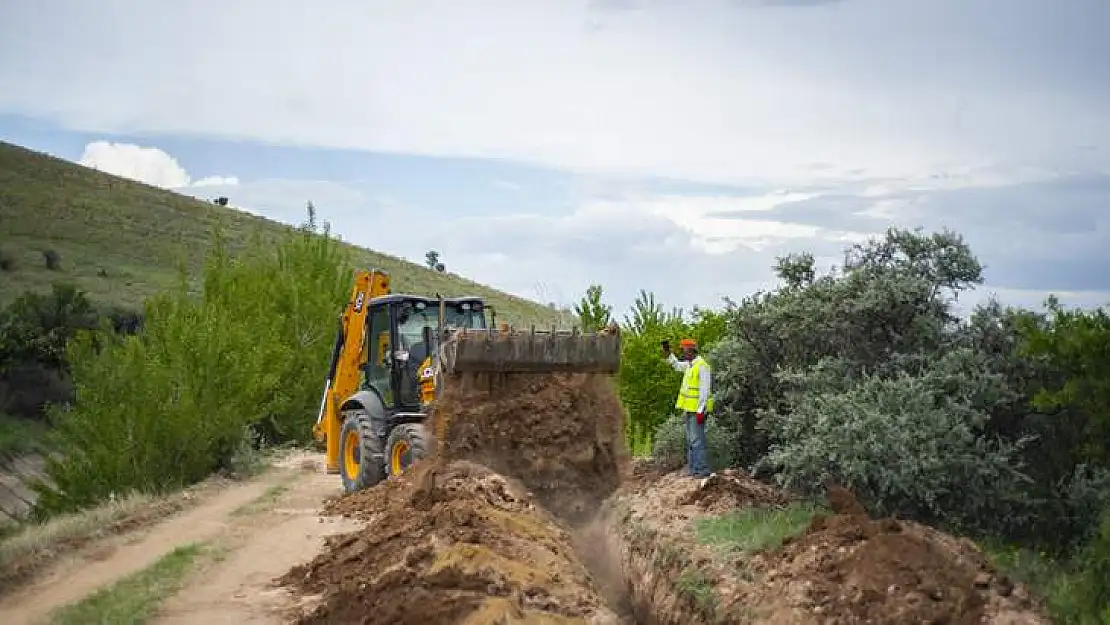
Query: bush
x=168, y=406
x=669, y=444
x=909, y=445
x=52, y=259
x=7, y=260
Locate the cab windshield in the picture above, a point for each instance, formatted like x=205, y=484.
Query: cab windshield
x=413, y=320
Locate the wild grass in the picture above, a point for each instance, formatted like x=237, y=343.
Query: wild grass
x=42, y=539
x=757, y=528
x=134, y=599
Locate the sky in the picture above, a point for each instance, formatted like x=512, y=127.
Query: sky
x=544, y=145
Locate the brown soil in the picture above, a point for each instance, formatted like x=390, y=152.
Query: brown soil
x=845, y=568
x=731, y=489
x=465, y=537
x=561, y=435
x=848, y=568
x=449, y=543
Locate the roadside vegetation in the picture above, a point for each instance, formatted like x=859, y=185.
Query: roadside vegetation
x=994, y=426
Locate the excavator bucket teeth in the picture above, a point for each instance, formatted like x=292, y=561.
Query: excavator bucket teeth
x=492, y=351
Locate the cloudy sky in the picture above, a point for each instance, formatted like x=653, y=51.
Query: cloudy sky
x=542, y=145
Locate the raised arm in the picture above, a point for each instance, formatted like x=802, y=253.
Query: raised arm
x=679, y=365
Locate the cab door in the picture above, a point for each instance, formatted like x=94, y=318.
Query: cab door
x=379, y=367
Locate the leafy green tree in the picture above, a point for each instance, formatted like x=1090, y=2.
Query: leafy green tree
x=35, y=327
x=1076, y=343
x=431, y=259
x=592, y=311
x=169, y=405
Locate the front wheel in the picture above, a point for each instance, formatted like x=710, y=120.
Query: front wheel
x=407, y=444
x=361, y=462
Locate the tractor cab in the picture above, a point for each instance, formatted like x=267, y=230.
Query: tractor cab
x=401, y=333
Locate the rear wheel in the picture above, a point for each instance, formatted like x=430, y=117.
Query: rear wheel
x=361, y=462
x=407, y=444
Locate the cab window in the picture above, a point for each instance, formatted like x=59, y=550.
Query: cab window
x=377, y=362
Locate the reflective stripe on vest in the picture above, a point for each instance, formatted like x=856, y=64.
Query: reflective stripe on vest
x=691, y=386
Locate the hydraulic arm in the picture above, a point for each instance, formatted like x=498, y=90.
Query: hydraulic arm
x=347, y=359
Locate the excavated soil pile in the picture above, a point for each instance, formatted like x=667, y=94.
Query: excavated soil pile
x=476, y=535
x=561, y=435
x=448, y=543
x=849, y=568
x=844, y=568
x=731, y=489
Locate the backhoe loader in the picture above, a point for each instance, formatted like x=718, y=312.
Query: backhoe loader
x=392, y=356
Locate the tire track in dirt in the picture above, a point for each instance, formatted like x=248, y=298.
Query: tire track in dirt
x=241, y=589
x=101, y=566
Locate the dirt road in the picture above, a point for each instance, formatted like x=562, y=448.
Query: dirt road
x=259, y=529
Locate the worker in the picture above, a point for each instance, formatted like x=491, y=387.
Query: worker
x=694, y=401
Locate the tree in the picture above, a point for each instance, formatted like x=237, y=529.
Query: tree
x=173, y=403
x=431, y=259
x=1077, y=343
x=593, y=313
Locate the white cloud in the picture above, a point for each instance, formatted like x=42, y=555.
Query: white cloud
x=700, y=91
x=144, y=164
x=216, y=181
x=149, y=165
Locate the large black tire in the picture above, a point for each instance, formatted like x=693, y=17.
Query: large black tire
x=361, y=461
x=407, y=444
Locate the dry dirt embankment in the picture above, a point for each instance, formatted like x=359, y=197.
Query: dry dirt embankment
x=533, y=514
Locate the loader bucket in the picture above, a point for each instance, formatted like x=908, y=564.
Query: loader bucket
x=532, y=351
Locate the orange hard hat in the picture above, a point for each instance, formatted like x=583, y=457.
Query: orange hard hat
x=687, y=343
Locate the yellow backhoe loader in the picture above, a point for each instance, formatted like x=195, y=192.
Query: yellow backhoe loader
x=392, y=355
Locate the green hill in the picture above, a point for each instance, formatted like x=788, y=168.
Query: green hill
x=120, y=240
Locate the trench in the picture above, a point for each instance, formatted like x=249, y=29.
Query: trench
x=628, y=576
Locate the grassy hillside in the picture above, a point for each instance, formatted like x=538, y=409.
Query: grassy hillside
x=121, y=240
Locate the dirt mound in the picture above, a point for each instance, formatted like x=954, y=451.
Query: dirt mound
x=731, y=489
x=849, y=568
x=449, y=543
x=561, y=435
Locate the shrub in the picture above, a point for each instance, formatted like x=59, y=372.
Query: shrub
x=52, y=259
x=169, y=405
x=907, y=444
x=669, y=444
x=7, y=260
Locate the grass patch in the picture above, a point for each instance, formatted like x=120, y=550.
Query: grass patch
x=754, y=529
x=134, y=599
x=263, y=502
